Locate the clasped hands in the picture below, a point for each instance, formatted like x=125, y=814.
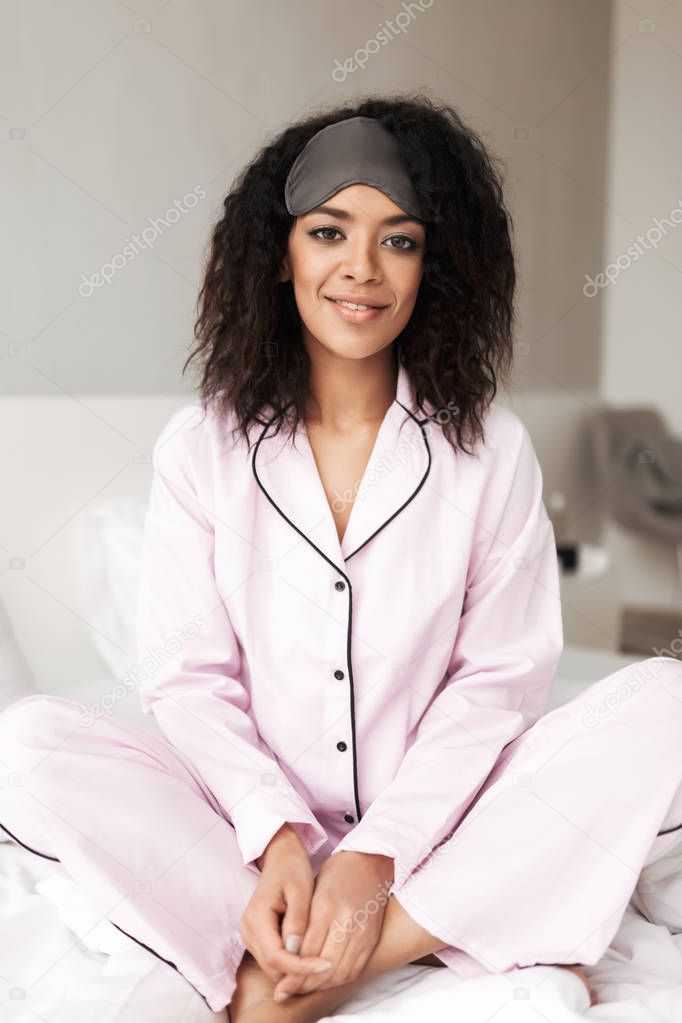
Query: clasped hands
x=311, y=933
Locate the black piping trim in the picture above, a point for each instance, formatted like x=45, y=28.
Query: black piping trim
x=167, y=961
x=349, y=663
x=414, y=493
x=44, y=855
x=669, y=830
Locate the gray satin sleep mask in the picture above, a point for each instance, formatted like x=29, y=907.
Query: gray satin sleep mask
x=357, y=151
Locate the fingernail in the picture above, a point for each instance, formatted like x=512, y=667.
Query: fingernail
x=293, y=943
x=280, y=996
x=324, y=965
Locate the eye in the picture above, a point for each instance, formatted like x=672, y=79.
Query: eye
x=410, y=247
x=316, y=233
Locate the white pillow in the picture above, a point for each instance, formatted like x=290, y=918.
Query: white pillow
x=109, y=575
x=16, y=678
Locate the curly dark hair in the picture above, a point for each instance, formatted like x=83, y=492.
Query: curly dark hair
x=457, y=344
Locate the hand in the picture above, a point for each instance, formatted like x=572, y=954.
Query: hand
x=285, y=887
x=346, y=917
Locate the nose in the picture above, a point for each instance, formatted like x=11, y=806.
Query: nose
x=361, y=259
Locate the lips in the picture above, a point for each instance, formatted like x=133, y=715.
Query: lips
x=370, y=303
x=351, y=314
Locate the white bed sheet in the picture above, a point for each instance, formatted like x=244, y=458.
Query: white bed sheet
x=61, y=962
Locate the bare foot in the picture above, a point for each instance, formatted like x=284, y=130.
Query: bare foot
x=252, y=1001
x=583, y=976
x=254, y=988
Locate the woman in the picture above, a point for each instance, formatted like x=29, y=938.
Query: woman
x=350, y=592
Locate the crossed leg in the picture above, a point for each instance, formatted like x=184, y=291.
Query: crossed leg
x=400, y=942
x=128, y=817
x=541, y=868
x=172, y=877
x=131, y=821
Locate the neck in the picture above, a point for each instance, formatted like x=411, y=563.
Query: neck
x=346, y=393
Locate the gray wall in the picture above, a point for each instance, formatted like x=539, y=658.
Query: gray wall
x=110, y=115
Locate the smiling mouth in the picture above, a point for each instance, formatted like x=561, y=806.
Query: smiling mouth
x=355, y=305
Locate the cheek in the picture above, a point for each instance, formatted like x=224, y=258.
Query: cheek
x=409, y=281
x=312, y=269
x=417, y=272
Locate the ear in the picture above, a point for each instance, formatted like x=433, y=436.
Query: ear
x=285, y=272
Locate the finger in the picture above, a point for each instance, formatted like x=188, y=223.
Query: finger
x=289, y=986
x=295, y=923
x=315, y=934
x=348, y=957
x=339, y=955
x=271, y=955
x=313, y=940
x=265, y=937
x=352, y=960
x=302, y=983
x=281, y=962
x=340, y=943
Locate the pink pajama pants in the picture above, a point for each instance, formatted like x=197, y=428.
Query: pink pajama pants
x=539, y=870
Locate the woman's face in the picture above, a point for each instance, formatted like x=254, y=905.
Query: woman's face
x=360, y=244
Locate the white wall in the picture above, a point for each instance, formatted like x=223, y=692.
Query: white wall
x=642, y=310
x=641, y=362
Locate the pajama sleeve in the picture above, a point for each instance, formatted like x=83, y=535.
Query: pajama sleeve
x=502, y=664
x=193, y=686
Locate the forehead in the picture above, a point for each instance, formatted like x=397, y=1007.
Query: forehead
x=362, y=202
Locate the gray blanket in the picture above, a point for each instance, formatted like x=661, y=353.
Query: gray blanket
x=640, y=465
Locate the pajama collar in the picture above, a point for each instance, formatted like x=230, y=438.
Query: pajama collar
x=397, y=470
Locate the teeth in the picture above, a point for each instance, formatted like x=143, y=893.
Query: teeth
x=351, y=305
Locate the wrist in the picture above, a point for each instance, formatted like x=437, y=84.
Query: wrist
x=283, y=837
x=384, y=865
x=387, y=864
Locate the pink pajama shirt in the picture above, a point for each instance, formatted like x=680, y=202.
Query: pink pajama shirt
x=384, y=694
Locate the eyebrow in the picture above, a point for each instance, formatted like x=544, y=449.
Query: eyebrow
x=332, y=211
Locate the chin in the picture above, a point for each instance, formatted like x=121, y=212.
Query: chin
x=355, y=351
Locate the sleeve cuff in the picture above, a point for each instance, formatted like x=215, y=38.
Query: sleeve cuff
x=256, y=823
x=407, y=848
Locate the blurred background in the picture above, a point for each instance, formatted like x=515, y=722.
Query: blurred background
x=122, y=127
